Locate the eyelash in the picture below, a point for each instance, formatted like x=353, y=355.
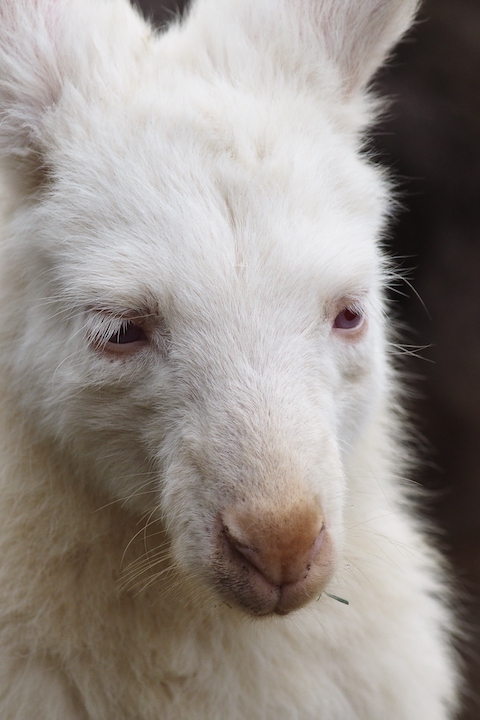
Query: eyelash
x=129, y=333
x=112, y=335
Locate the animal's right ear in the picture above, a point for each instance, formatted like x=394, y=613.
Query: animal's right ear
x=48, y=47
x=32, y=72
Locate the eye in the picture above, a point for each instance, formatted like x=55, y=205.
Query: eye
x=127, y=339
x=129, y=333
x=349, y=319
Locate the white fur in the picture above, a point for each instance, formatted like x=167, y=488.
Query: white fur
x=210, y=179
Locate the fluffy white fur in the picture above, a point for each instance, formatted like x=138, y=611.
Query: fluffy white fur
x=206, y=185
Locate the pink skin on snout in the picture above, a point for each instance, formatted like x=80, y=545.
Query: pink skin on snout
x=272, y=563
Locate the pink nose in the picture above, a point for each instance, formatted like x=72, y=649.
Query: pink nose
x=282, y=554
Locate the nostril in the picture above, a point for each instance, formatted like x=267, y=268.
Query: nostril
x=280, y=557
x=252, y=554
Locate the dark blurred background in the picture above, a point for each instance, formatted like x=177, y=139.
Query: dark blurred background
x=430, y=138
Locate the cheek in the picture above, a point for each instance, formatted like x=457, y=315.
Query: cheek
x=355, y=407
x=103, y=430
x=355, y=387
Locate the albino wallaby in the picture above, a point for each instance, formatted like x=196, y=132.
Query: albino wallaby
x=201, y=449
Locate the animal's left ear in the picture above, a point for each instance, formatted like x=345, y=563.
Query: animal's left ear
x=359, y=34
x=351, y=37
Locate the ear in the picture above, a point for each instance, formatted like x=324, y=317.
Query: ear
x=359, y=34
x=32, y=70
x=349, y=37
x=45, y=46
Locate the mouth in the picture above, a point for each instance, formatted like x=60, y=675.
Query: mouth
x=269, y=578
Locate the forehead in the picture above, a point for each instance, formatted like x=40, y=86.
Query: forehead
x=189, y=180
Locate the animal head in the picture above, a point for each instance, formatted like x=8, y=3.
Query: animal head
x=192, y=291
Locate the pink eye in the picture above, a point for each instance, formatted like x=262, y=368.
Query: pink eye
x=348, y=319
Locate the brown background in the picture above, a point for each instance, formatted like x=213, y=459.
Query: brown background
x=431, y=140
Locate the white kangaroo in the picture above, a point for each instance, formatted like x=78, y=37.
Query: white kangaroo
x=201, y=449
